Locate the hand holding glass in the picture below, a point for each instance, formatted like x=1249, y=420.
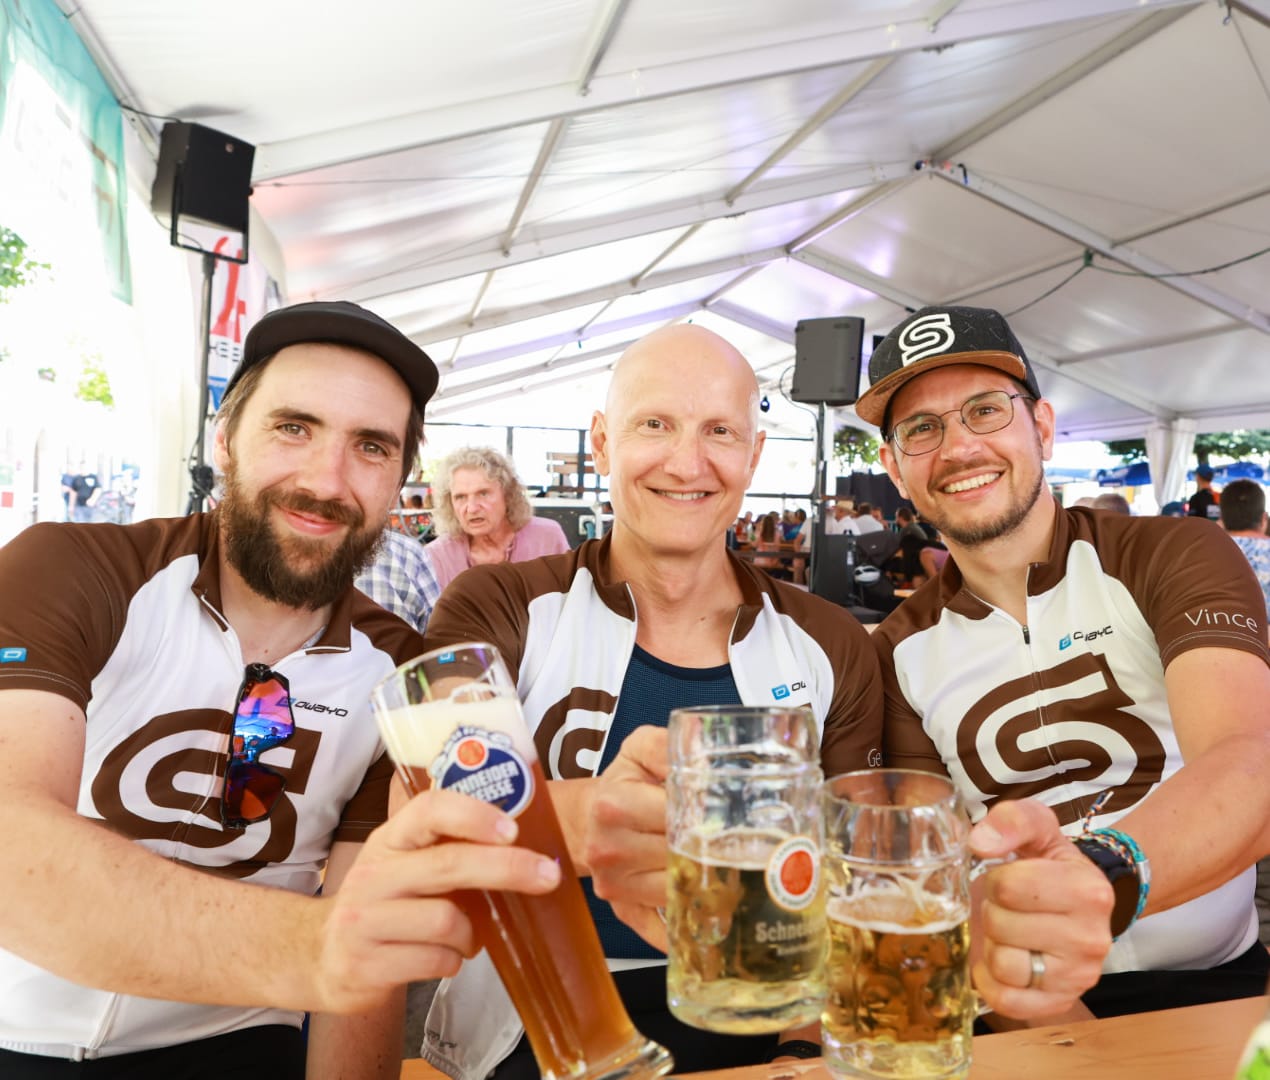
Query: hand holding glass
x=451, y=718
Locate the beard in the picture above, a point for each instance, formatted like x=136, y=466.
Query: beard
x=973, y=533
x=297, y=571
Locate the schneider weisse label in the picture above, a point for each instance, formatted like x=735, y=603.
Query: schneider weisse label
x=487, y=766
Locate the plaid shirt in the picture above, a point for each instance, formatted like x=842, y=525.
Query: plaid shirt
x=401, y=580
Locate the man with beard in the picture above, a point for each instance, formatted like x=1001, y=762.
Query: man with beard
x=1102, y=673
x=184, y=715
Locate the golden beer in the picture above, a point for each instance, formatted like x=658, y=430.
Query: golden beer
x=900, y=1003
x=745, y=921
x=544, y=948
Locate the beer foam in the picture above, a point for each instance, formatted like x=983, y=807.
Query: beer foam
x=896, y=913
x=416, y=734
x=737, y=849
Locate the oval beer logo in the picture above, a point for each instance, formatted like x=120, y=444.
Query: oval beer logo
x=793, y=873
x=485, y=765
x=471, y=753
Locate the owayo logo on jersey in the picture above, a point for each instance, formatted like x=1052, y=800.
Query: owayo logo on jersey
x=485, y=765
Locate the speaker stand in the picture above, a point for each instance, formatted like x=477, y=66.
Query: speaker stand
x=200, y=471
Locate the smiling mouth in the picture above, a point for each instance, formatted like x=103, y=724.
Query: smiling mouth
x=970, y=484
x=684, y=496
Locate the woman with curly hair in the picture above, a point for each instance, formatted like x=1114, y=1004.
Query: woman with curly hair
x=482, y=515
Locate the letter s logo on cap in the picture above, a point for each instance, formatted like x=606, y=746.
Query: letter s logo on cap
x=928, y=336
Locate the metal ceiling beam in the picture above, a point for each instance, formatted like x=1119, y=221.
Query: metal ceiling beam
x=1103, y=245
x=862, y=279
x=1069, y=76
x=1173, y=223
x=601, y=294
x=550, y=142
x=1108, y=387
x=477, y=385
x=813, y=123
x=613, y=90
x=542, y=242
x=1130, y=347
x=1254, y=9
x=1052, y=86
x=447, y=409
x=601, y=42
x=747, y=318
x=574, y=336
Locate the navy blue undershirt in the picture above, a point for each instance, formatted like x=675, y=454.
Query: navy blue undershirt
x=650, y=690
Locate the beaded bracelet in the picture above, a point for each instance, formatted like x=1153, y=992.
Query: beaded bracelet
x=1127, y=848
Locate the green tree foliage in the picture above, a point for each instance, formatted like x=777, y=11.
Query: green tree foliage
x=16, y=269
x=94, y=383
x=1231, y=444
x=852, y=447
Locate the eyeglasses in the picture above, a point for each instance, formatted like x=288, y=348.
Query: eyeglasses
x=262, y=720
x=982, y=414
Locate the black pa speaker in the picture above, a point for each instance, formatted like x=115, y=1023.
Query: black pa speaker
x=827, y=356
x=204, y=178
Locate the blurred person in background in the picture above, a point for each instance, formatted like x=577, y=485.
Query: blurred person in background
x=482, y=515
x=1204, y=503
x=1243, y=516
x=1113, y=501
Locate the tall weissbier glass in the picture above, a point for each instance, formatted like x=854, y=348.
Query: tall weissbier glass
x=451, y=719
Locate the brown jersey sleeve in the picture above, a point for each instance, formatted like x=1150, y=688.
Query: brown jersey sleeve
x=853, y=730
x=368, y=808
x=1195, y=588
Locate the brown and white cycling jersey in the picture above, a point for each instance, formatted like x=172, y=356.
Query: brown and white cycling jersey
x=1074, y=703
x=126, y=623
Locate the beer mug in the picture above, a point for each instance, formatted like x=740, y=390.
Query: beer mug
x=451, y=718
x=898, y=870
x=745, y=917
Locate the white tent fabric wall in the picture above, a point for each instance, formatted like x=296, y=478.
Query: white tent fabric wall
x=525, y=188
x=1169, y=450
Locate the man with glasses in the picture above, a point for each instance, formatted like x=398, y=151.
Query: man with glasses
x=1078, y=674
x=187, y=745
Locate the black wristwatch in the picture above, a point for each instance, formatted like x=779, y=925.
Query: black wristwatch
x=795, y=1048
x=1123, y=876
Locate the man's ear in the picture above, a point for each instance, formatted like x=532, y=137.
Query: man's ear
x=760, y=440
x=892, y=465
x=1043, y=413
x=600, y=443
x=220, y=449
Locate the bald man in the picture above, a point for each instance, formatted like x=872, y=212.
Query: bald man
x=605, y=640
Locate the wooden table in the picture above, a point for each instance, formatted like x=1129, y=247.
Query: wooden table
x=1200, y=1043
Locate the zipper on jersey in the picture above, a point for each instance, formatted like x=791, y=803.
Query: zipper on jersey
x=104, y=1026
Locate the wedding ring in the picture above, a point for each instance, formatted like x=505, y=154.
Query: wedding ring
x=1038, y=969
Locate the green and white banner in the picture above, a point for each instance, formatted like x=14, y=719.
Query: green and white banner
x=62, y=185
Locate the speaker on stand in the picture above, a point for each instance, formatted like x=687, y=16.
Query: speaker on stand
x=202, y=185
x=827, y=356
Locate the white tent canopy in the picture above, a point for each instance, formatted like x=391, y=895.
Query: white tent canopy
x=525, y=188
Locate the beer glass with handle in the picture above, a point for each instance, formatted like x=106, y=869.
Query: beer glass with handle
x=745, y=912
x=898, y=870
x=451, y=718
